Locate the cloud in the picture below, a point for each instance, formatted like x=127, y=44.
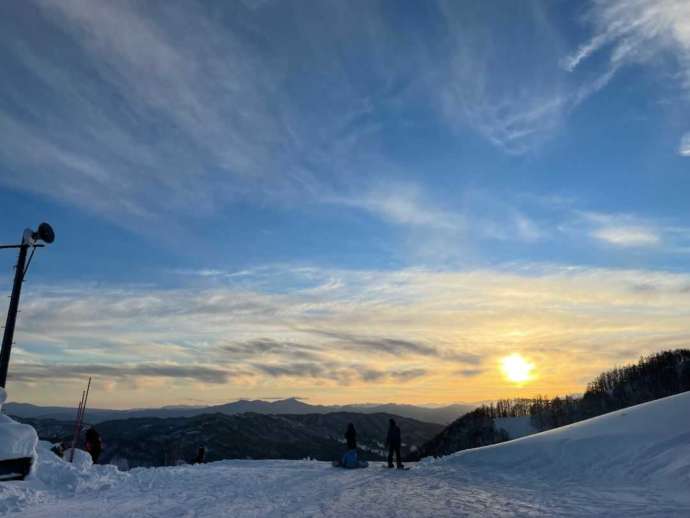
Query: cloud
x=628, y=236
x=405, y=204
x=407, y=375
x=395, y=347
x=339, y=372
x=269, y=347
x=296, y=370
x=469, y=373
x=431, y=327
x=180, y=102
x=462, y=357
x=392, y=346
x=637, y=31
x=514, y=96
x=431, y=224
x=640, y=232
x=35, y=373
x=583, y=52
x=447, y=235
x=175, y=111
x=623, y=230
x=684, y=147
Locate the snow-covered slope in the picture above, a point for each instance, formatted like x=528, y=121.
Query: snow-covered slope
x=642, y=444
x=635, y=462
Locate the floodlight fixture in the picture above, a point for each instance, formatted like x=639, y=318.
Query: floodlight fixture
x=30, y=239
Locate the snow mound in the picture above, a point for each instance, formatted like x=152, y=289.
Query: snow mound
x=644, y=444
x=53, y=476
x=16, y=440
x=56, y=473
x=81, y=459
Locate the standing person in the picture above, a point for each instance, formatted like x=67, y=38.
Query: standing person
x=351, y=437
x=200, y=455
x=393, y=442
x=93, y=444
x=350, y=459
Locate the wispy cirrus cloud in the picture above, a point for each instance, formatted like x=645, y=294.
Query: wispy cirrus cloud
x=396, y=347
x=623, y=230
x=258, y=347
x=660, y=236
x=176, y=101
x=41, y=372
x=684, y=147
x=372, y=344
x=515, y=112
x=628, y=236
x=638, y=31
x=405, y=204
x=339, y=372
x=635, y=30
x=475, y=215
x=176, y=111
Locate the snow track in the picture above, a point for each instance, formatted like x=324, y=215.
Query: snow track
x=297, y=489
x=632, y=463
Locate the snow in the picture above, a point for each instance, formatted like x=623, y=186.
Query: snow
x=515, y=427
x=80, y=458
x=648, y=443
x=16, y=440
x=52, y=474
x=634, y=462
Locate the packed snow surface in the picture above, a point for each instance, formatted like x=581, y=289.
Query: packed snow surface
x=632, y=463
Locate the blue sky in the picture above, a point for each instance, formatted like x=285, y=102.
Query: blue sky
x=222, y=176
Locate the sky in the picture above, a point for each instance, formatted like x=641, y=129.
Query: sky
x=343, y=201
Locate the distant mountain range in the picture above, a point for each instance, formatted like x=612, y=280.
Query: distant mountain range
x=167, y=441
x=442, y=415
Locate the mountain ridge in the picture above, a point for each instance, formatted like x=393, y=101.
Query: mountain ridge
x=441, y=415
x=155, y=441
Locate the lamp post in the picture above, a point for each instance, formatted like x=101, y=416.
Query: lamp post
x=30, y=239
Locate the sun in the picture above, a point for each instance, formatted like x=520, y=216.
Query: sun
x=516, y=369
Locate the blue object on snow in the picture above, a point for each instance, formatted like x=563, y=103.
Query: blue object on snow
x=350, y=460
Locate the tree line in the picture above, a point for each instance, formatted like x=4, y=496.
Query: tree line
x=652, y=377
x=655, y=376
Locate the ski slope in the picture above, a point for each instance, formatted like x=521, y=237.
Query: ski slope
x=634, y=462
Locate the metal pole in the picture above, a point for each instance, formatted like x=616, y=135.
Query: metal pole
x=12, y=314
x=86, y=398
x=76, y=426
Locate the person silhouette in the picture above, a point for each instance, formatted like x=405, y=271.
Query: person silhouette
x=200, y=455
x=93, y=444
x=351, y=437
x=393, y=442
x=350, y=459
